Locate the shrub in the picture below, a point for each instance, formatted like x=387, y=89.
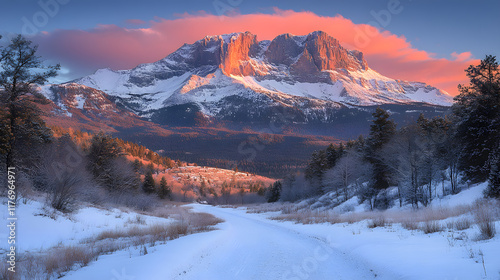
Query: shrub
x=410, y=224
x=377, y=222
x=461, y=224
x=484, y=219
x=63, y=190
x=431, y=227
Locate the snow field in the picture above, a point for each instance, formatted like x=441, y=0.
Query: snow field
x=253, y=246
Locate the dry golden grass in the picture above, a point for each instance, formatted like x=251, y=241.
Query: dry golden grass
x=484, y=216
x=431, y=227
x=460, y=224
x=410, y=224
x=407, y=217
x=56, y=261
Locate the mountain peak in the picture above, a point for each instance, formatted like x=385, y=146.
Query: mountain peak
x=287, y=69
x=229, y=37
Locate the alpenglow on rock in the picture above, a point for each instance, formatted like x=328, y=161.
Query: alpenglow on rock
x=220, y=74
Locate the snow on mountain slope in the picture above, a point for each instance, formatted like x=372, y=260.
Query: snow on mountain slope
x=314, y=66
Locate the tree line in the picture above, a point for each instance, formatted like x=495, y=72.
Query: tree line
x=412, y=163
x=63, y=166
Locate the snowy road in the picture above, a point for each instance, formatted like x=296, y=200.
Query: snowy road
x=245, y=246
x=250, y=247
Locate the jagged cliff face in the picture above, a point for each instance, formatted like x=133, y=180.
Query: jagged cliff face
x=218, y=75
x=242, y=54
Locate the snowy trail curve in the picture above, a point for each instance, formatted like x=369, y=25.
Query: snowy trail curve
x=248, y=246
x=245, y=246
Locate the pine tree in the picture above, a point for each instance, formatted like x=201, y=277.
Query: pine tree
x=381, y=132
x=316, y=169
x=164, y=191
x=102, y=152
x=493, y=189
x=477, y=109
x=274, y=192
x=149, y=185
x=21, y=71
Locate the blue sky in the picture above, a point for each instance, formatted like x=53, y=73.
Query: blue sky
x=441, y=33
x=440, y=27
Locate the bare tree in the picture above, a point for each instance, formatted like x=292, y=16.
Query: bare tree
x=404, y=155
x=348, y=173
x=62, y=173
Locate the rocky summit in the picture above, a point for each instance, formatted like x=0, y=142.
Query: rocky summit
x=235, y=77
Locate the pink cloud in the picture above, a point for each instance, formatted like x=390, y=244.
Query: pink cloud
x=462, y=56
x=122, y=48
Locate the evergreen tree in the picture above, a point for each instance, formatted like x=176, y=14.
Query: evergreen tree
x=164, y=191
x=102, y=152
x=274, y=192
x=331, y=155
x=149, y=184
x=478, y=118
x=136, y=165
x=493, y=189
x=21, y=70
x=381, y=131
x=103, y=147
x=316, y=169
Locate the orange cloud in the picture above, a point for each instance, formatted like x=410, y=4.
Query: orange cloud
x=122, y=48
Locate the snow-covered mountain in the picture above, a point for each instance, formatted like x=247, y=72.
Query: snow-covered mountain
x=305, y=72
x=236, y=79
x=85, y=108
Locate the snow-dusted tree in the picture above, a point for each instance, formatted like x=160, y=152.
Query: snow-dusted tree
x=295, y=187
x=478, y=115
x=449, y=151
x=404, y=156
x=366, y=193
x=350, y=169
x=434, y=133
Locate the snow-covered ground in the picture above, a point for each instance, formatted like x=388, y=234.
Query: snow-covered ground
x=252, y=246
x=37, y=231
